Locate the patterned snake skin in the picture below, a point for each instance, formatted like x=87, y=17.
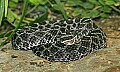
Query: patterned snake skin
x=61, y=40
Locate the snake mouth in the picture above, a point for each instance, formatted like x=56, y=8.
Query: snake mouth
x=72, y=41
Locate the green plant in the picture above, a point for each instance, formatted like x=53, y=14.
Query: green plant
x=18, y=25
x=93, y=8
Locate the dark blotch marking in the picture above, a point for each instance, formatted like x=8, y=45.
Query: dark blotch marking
x=33, y=29
x=66, y=38
x=38, y=53
x=48, y=36
x=46, y=53
x=14, y=37
x=62, y=21
x=52, y=22
x=39, y=33
x=59, y=54
x=25, y=44
x=33, y=39
x=85, y=32
x=53, y=32
x=62, y=30
x=92, y=35
x=34, y=25
x=54, y=49
x=96, y=31
x=95, y=26
x=74, y=25
x=55, y=27
x=85, y=43
x=95, y=40
x=42, y=23
x=59, y=44
x=82, y=50
x=18, y=41
x=20, y=31
x=24, y=36
x=38, y=50
x=86, y=38
x=81, y=25
x=51, y=58
x=40, y=27
x=68, y=27
x=93, y=46
x=47, y=45
x=70, y=48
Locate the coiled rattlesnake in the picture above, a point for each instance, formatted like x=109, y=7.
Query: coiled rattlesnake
x=61, y=40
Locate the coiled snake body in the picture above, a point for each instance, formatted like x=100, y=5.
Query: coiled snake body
x=61, y=40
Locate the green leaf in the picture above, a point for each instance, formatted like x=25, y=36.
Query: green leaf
x=10, y=16
x=101, y=2
x=6, y=7
x=84, y=13
x=73, y=3
x=93, y=13
x=70, y=3
x=2, y=35
x=103, y=15
x=105, y=9
x=42, y=16
x=2, y=2
x=94, y=2
x=43, y=2
x=77, y=11
x=61, y=7
x=109, y=2
x=87, y=5
x=13, y=3
x=55, y=6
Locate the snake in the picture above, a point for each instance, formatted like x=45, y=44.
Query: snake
x=61, y=40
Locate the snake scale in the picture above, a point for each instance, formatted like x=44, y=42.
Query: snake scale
x=61, y=40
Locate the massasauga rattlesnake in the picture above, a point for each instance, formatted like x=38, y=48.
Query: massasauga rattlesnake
x=61, y=40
